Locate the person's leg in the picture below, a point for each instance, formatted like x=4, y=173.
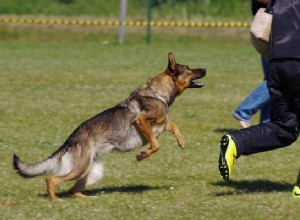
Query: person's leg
x=257, y=99
x=265, y=112
x=284, y=87
x=265, y=66
x=296, y=108
x=296, y=189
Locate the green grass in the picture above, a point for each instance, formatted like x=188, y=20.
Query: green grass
x=51, y=81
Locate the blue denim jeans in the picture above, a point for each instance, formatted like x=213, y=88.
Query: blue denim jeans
x=258, y=99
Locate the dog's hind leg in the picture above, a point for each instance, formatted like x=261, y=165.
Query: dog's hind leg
x=174, y=129
x=95, y=174
x=78, y=171
x=79, y=186
x=52, y=181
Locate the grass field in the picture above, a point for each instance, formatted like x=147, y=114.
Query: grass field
x=51, y=81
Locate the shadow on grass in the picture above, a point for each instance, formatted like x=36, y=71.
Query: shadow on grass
x=224, y=130
x=248, y=187
x=115, y=189
x=123, y=189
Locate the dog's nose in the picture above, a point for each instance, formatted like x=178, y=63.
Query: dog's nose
x=203, y=71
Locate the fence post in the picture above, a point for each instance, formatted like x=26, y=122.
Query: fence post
x=149, y=11
x=123, y=6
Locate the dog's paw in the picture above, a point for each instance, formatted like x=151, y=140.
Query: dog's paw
x=181, y=143
x=142, y=155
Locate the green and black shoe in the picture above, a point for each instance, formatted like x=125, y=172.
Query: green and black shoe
x=227, y=157
x=296, y=192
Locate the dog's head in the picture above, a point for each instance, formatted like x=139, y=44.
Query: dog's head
x=183, y=76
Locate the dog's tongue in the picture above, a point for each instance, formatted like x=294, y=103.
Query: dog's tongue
x=197, y=84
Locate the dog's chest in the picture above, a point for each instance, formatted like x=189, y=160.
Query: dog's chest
x=158, y=129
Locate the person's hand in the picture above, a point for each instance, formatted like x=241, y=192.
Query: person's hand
x=264, y=1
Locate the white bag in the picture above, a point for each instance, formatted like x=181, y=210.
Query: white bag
x=260, y=31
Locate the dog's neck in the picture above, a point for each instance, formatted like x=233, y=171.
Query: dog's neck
x=166, y=97
x=159, y=96
x=164, y=88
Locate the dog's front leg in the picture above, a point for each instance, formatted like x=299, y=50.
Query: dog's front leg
x=174, y=129
x=143, y=123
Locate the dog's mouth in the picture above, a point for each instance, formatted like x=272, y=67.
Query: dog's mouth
x=196, y=84
x=199, y=73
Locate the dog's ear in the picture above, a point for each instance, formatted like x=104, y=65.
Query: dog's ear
x=172, y=64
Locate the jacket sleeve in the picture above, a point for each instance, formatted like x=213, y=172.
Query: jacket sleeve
x=285, y=35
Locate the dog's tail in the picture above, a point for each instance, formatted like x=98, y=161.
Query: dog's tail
x=36, y=169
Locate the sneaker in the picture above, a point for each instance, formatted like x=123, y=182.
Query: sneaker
x=228, y=154
x=296, y=192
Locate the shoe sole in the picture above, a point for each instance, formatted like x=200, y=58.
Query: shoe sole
x=223, y=167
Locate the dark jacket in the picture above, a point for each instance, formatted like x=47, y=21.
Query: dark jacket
x=255, y=6
x=285, y=34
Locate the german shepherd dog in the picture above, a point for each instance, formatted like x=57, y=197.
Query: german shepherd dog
x=136, y=121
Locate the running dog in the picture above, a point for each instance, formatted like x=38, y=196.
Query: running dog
x=136, y=121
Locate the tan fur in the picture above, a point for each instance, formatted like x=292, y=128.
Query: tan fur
x=136, y=121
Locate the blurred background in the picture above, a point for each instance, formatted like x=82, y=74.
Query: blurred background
x=110, y=17
x=136, y=9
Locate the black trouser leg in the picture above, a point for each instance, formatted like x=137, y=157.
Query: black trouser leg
x=298, y=179
x=284, y=86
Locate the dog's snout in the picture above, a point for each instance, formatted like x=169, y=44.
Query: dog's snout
x=203, y=70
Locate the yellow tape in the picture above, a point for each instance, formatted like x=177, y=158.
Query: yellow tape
x=212, y=24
